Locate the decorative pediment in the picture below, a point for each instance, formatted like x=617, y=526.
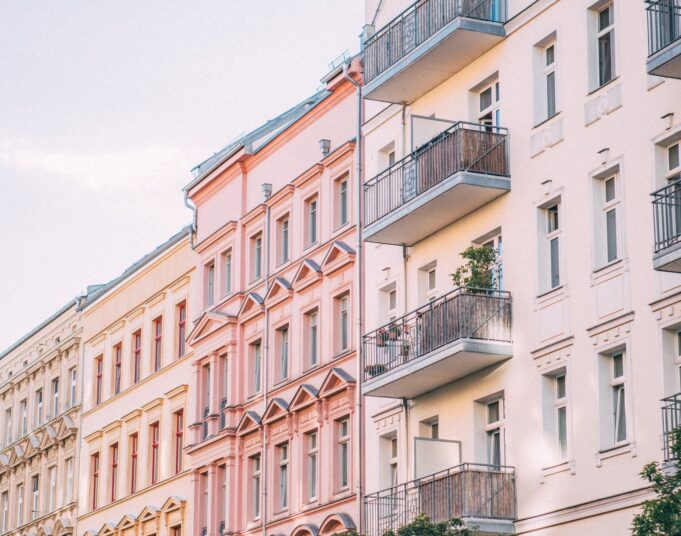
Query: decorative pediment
x=4, y=459
x=128, y=521
x=32, y=446
x=148, y=513
x=308, y=273
x=276, y=409
x=252, y=306
x=305, y=396
x=172, y=503
x=337, y=523
x=49, y=436
x=65, y=428
x=280, y=290
x=336, y=380
x=44, y=531
x=307, y=529
x=17, y=455
x=338, y=255
x=250, y=422
x=208, y=324
x=106, y=530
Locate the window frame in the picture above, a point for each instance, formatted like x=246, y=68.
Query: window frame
x=99, y=376
x=600, y=34
x=157, y=325
x=178, y=418
x=312, y=465
x=154, y=450
x=94, y=480
x=113, y=471
x=118, y=367
x=136, y=356
x=181, y=313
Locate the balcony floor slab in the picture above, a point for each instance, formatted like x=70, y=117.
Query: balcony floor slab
x=668, y=260
x=666, y=62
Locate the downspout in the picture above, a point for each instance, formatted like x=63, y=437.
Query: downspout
x=191, y=207
x=359, y=279
x=267, y=192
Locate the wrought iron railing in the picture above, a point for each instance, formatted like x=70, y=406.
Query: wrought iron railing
x=664, y=23
x=468, y=490
x=671, y=420
x=462, y=313
x=223, y=416
x=667, y=215
x=462, y=147
x=416, y=24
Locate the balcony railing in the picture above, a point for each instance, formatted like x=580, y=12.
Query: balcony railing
x=466, y=491
x=416, y=24
x=462, y=147
x=671, y=420
x=664, y=24
x=667, y=213
x=462, y=313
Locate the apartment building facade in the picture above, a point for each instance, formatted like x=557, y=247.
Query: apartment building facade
x=273, y=432
x=539, y=130
x=40, y=412
x=134, y=475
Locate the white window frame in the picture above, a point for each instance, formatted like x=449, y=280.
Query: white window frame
x=312, y=337
x=284, y=239
x=227, y=272
x=343, y=431
x=550, y=279
x=72, y=392
x=673, y=173
x=20, y=505
x=497, y=244
x=619, y=402
x=312, y=466
x=549, y=72
x=55, y=397
x=343, y=323
x=283, y=455
x=492, y=429
x=4, y=520
x=52, y=490
x=256, y=484
x=68, y=487
x=560, y=405
x=394, y=462
x=39, y=396
x=343, y=203
x=284, y=336
x=612, y=206
x=493, y=110
x=35, y=497
x=312, y=221
x=602, y=32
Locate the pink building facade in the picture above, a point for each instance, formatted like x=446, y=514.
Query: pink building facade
x=272, y=439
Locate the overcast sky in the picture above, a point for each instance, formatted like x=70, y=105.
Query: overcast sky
x=106, y=105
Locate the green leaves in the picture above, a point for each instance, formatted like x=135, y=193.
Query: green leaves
x=423, y=526
x=478, y=272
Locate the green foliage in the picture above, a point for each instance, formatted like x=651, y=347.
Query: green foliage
x=423, y=526
x=478, y=271
x=661, y=516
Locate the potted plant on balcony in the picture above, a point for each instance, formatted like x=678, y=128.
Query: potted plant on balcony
x=375, y=369
x=423, y=526
x=478, y=273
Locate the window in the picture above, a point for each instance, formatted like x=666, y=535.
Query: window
x=607, y=238
x=181, y=328
x=343, y=434
x=673, y=156
x=227, y=272
x=343, y=320
x=136, y=356
x=94, y=480
x=282, y=455
x=432, y=280
x=206, y=397
x=23, y=407
x=311, y=465
x=4, y=521
x=256, y=362
x=606, y=44
x=426, y=282
x=8, y=427
x=113, y=472
x=549, y=248
x=254, y=462
x=560, y=411
x=312, y=341
x=153, y=450
x=342, y=202
x=68, y=487
x=99, y=369
x=489, y=112
x=496, y=274
x=73, y=398
x=35, y=497
x=256, y=257
x=118, y=363
x=179, y=440
x=20, y=504
x=222, y=494
x=38, y=408
x=284, y=240
x=203, y=506
x=133, y=446
x=282, y=336
x=176, y=531
x=52, y=492
x=158, y=342
x=393, y=462
x=311, y=219
x=550, y=79
x=209, y=272
x=392, y=300
x=493, y=431
x=619, y=411
x=55, y=397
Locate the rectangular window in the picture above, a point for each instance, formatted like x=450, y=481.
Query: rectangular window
x=68, y=487
x=206, y=373
x=550, y=79
x=222, y=495
x=20, y=505
x=256, y=257
x=610, y=199
x=179, y=440
x=560, y=407
x=311, y=213
x=342, y=203
x=209, y=271
x=394, y=474
x=94, y=480
x=284, y=240
x=489, y=112
x=99, y=370
x=255, y=485
x=4, y=522
x=312, y=341
x=181, y=328
x=343, y=319
x=158, y=343
x=550, y=277
x=136, y=356
x=283, y=352
x=133, y=446
x=113, y=472
x=23, y=406
x=8, y=427
x=494, y=431
x=606, y=45
x=35, y=497
x=55, y=397
x=52, y=491
x=619, y=410
x=73, y=397
x=282, y=454
x=154, y=452
x=343, y=432
x=118, y=364
x=227, y=272
x=256, y=359
x=38, y=408
x=311, y=466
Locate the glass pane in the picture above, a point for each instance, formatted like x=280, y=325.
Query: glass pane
x=486, y=99
x=621, y=433
x=552, y=218
x=555, y=263
x=550, y=55
x=562, y=431
x=617, y=366
x=673, y=153
x=605, y=58
x=604, y=18
x=493, y=412
x=560, y=387
x=611, y=234
x=609, y=190
x=551, y=94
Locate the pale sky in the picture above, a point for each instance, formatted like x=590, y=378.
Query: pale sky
x=106, y=105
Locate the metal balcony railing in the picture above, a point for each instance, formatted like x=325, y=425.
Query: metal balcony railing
x=664, y=23
x=462, y=147
x=462, y=313
x=416, y=24
x=667, y=215
x=468, y=490
x=671, y=420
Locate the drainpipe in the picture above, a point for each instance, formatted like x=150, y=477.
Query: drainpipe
x=359, y=280
x=192, y=230
x=267, y=192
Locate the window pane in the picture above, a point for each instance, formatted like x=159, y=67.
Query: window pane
x=493, y=412
x=605, y=58
x=609, y=190
x=555, y=263
x=621, y=420
x=486, y=99
x=552, y=218
x=560, y=387
x=611, y=232
x=617, y=366
x=673, y=153
x=562, y=431
x=551, y=94
x=550, y=55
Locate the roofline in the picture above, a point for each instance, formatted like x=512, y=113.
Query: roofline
x=39, y=327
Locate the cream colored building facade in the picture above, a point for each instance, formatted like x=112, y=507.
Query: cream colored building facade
x=534, y=128
x=40, y=419
x=134, y=476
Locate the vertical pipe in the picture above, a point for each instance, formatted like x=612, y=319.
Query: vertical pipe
x=265, y=370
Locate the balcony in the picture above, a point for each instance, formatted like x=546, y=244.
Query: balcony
x=667, y=221
x=482, y=495
x=664, y=38
x=458, y=334
x=455, y=173
x=671, y=420
x=428, y=43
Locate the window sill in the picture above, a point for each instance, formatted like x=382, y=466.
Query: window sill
x=606, y=266
x=608, y=83
x=545, y=294
x=547, y=120
x=341, y=354
x=558, y=468
x=614, y=451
